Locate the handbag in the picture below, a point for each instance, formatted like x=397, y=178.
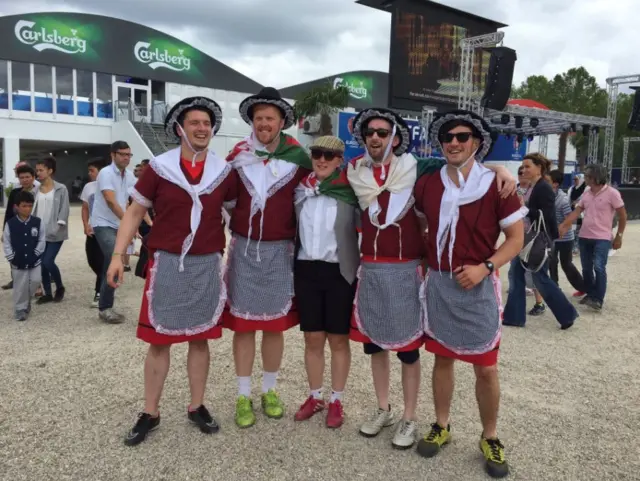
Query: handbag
x=537, y=246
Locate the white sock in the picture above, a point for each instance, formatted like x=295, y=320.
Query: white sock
x=244, y=386
x=336, y=396
x=269, y=380
x=316, y=393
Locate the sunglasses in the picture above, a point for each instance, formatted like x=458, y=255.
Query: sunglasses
x=317, y=154
x=382, y=133
x=461, y=137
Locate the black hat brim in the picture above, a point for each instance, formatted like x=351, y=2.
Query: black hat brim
x=363, y=117
x=474, y=120
x=247, y=105
x=204, y=103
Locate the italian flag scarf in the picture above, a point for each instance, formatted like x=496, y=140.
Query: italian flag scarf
x=335, y=186
x=250, y=151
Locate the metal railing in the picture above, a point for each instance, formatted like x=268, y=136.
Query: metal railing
x=138, y=116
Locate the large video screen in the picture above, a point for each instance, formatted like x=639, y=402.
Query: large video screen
x=425, y=57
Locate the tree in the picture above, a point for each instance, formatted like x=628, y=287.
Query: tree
x=323, y=100
x=575, y=91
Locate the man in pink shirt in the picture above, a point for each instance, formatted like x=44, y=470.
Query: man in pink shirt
x=599, y=203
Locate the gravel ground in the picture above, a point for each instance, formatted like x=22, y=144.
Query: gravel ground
x=70, y=387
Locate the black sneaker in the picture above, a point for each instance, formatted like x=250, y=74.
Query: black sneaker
x=144, y=425
x=59, y=294
x=201, y=418
x=585, y=300
x=46, y=299
x=538, y=310
x=8, y=286
x=127, y=268
x=595, y=305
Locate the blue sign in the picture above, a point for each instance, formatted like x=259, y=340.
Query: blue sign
x=503, y=148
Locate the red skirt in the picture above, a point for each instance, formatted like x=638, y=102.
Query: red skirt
x=356, y=335
x=281, y=324
x=147, y=333
x=489, y=358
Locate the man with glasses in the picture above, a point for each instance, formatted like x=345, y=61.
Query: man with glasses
x=466, y=212
x=114, y=184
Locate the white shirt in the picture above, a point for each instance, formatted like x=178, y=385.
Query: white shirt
x=110, y=178
x=317, y=229
x=44, y=206
x=88, y=195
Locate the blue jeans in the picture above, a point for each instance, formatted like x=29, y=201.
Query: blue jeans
x=106, y=237
x=594, y=255
x=50, y=271
x=515, y=312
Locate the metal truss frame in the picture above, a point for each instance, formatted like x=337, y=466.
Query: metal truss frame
x=465, y=86
x=594, y=140
x=543, y=144
x=613, y=83
x=626, y=170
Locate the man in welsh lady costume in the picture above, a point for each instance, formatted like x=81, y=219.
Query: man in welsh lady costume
x=465, y=215
x=184, y=294
x=270, y=165
x=388, y=314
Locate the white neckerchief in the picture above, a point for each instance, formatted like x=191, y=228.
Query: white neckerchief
x=400, y=181
x=168, y=167
x=308, y=187
x=262, y=177
x=473, y=188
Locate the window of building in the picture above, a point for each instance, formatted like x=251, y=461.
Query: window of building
x=21, y=85
x=64, y=90
x=43, y=88
x=4, y=85
x=84, y=91
x=104, y=92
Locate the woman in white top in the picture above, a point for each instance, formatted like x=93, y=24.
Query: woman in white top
x=325, y=272
x=52, y=207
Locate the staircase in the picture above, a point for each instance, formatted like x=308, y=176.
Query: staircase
x=155, y=137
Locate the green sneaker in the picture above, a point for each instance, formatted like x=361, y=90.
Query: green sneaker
x=245, y=417
x=272, y=405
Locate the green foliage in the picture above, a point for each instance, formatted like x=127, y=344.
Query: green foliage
x=322, y=100
x=578, y=92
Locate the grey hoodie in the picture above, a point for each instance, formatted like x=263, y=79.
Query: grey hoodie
x=57, y=229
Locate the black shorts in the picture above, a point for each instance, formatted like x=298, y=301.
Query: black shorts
x=324, y=298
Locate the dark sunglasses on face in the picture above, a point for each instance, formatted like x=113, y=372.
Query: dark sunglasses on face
x=382, y=133
x=461, y=137
x=317, y=154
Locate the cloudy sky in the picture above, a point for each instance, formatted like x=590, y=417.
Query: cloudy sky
x=285, y=42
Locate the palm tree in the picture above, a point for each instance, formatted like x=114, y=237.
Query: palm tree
x=322, y=100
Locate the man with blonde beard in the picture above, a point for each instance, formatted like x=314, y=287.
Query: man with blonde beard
x=270, y=165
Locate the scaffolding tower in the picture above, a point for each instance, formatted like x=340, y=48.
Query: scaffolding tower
x=626, y=170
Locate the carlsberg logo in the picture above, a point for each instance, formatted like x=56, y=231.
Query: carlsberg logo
x=356, y=91
x=41, y=38
x=161, y=58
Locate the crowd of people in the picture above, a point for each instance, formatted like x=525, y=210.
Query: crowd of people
x=393, y=252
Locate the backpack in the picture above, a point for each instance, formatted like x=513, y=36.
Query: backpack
x=537, y=245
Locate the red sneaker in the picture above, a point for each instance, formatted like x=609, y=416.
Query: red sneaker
x=579, y=294
x=335, y=416
x=310, y=407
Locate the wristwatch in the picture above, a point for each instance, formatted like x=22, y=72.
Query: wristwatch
x=490, y=266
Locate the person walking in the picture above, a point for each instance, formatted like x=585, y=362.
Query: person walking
x=325, y=274
x=541, y=205
x=114, y=183
x=95, y=258
x=599, y=203
x=52, y=208
x=563, y=247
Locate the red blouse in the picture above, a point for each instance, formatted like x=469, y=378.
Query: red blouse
x=280, y=217
x=478, y=227
x=172, y=206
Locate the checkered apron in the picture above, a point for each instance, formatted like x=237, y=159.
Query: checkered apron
x=260, y=290
x=463, y=321
x=188, y=302
x=387, y=305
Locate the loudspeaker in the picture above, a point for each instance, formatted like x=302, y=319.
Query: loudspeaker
x=499, y=78
x=634, y=119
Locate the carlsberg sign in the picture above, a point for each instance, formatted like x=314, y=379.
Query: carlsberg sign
x=41, y=37
x=155, y=57
x=359, y=87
